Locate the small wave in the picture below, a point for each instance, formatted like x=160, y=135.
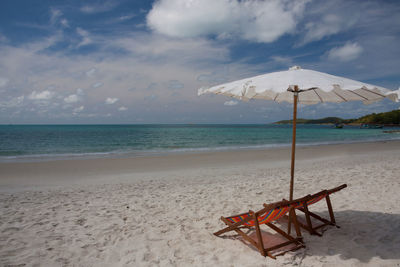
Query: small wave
x=157, y=152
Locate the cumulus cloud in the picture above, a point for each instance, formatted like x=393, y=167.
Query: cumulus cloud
x=260, y=21
x=44, y=95
x=347, y=52
x=110, y=100
x=72, y=99
x=231, y=103
x=122, y=108
x=152, y=58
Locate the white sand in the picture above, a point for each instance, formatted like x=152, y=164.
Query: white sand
x=163, y=210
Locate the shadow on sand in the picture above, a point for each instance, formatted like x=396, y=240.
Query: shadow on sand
x=362, y=235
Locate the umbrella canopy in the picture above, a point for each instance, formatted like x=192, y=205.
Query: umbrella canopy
x=298, y=85
x=315, y=87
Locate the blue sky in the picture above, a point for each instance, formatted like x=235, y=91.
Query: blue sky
x=143, y=61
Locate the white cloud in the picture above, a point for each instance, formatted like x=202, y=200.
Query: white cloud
x=97, y=85
x=80, y=92
x=44, y=95
x=347, y=52
x=282, y=60
x=127, y=17
x=122, y=108
x=110, y=100
x=260, y=21
x=152, y=86
x=158, y=47
x=91, y=72
x=55, y=14
x=175, y=85
x=3, y=81
x=85, y=37
x=56, y=18
x=64, y=23
x=328, y=25
x=150, y=98
x=79, y=109
x=98, y=8
x=13, y=102
x=72, y=99
x=148, y=58
x=3, y=38
x=327, y=18
x=231, y=103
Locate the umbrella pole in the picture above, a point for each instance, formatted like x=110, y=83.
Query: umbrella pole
x=295, y=98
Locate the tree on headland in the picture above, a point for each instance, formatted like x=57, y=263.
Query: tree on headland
x=391, y=117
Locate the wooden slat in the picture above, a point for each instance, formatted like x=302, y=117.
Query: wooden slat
x=246, y=237
x=231, y=226
x=279, y=245
x=316, y=216
x=300, y=245
x=334, y=190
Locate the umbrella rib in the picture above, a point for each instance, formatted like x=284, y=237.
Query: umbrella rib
x=358, y=94
x=344, y=99
x=322, y=101
x=365, y=89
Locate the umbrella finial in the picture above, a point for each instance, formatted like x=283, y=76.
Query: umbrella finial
x=295, y=68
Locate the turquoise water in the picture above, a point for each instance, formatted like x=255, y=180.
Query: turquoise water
x=19, y=142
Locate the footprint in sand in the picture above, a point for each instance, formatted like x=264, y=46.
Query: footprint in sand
x=10, y=230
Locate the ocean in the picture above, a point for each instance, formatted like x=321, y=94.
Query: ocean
x=49, y=142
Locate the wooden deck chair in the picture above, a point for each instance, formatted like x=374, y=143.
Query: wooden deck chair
x=266, y=216
x=303, y=206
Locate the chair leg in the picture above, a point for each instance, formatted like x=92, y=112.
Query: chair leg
x=296, y=224
x=329, y=204
x=260, y=244
x=309, y=223
x=289, y=229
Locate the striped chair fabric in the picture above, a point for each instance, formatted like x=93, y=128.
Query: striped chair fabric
x=274, y=214
x=271, y=215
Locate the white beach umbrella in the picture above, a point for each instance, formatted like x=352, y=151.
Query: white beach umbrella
x=298, y=85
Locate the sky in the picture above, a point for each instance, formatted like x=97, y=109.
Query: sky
x=142, y=61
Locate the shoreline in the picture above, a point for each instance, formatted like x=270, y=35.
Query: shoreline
x=161, y=153
x=61, y=172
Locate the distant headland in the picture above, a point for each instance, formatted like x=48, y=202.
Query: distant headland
x=391, y=118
